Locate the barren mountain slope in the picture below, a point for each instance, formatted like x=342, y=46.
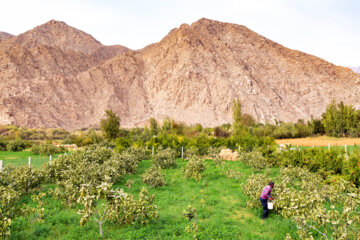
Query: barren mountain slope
x=194, y=73
x=38, y=78
x=4, y=35
x=191, y=75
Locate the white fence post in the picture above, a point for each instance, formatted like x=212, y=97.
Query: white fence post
x=29, y=161
x=329, y=146
x=313, y=146
x=182, y=152
x=345, y=147
x=239, y=148
x=50, y=160
x=0, y=165
x=153, y=151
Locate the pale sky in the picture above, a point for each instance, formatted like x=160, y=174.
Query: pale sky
x=325, y=28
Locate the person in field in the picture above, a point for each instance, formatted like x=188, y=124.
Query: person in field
x=265, y=197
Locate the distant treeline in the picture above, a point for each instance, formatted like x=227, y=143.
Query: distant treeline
x=339, y=120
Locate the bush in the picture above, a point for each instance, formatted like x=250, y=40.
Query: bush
x=352, y=168
x=254, y=159
x=47, y=149
x=154, y=177
x=193, y=168
x=16, y=146
x=165, y=158
x=139, y=153
x=127, y=161
x=3, y=145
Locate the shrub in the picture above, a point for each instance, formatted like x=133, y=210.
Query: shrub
x=165, y=158
x=3, y=145
x=47, y=149
x=352, y=168
x=139, y=153
x=254, y=159
x=193, y=168
x=190, y=213
x=190, y=152
x=16, y=146
x=127, y=161
x=154, y=177
x=26, y=178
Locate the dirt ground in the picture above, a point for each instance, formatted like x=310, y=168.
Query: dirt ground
x=320, y=141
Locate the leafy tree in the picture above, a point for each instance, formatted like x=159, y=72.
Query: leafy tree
x=238, y=127
x=111, y=125
x=153, y=127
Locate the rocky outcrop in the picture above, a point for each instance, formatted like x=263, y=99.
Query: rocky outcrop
x=58, y=76
x=4, y=35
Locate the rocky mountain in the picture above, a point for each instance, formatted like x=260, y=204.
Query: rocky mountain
x=58, y=76
x=355, y=69
x=4, y=35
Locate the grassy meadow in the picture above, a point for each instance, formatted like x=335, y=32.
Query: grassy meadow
x=21, y=158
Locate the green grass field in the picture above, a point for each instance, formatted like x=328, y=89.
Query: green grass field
x=21, y=158
x=220, y=202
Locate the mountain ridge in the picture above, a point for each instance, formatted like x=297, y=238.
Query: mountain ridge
x=191, y=75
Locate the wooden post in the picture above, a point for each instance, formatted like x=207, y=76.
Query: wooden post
x=182, y=152
x=29, y=161
x=153, y=151
x=0, y=165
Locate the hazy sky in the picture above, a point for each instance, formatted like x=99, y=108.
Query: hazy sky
x=329, y=29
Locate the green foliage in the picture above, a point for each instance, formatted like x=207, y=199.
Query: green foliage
x=111, y=125
x=128, y=161
x=84, y=139
x=139, y=153
x=352, y=168
x=254, y=159
x=26, y=178
x=341, y=120
x=16, y=145
x=165, y=158
x=193, y=168
x=132, y=210
x=3, y=144
x=153, y=127
x=103, y=204
x=315, y=159
x=190, y=213
x=93, y=164
x=47, y=149
x=238, y=127
x=8, y=209
x=301, y=195
x=153, y=177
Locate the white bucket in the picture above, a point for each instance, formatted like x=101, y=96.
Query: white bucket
x=270, y=205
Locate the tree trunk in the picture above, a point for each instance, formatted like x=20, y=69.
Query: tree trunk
x=100, y=226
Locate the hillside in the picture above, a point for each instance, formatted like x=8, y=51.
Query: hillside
x=4, y=35
x=58, y=76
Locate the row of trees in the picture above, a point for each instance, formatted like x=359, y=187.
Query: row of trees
x=341, y=120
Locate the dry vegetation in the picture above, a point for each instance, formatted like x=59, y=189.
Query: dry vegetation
x=320, y=141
